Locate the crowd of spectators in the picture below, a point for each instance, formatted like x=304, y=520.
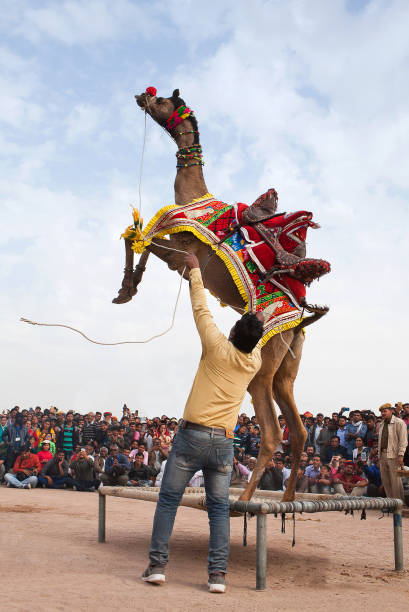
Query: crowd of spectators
x=53, y=449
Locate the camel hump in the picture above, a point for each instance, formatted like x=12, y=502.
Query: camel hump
x=262, y=209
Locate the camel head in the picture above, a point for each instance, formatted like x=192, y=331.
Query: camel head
x=168, y=112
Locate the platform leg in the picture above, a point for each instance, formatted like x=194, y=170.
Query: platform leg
x=101, y=518
x=261, y=552
x=397, y=540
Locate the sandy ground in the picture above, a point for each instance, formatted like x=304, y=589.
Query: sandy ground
x=51, y=559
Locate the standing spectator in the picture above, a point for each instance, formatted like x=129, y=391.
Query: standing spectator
x=115, y=439
x=253, y=441
x=54, y=474
x=89, y=429
x=116, y=468
x=69, y=435
x=25, y=470
x=354, y=429
x=324, y=437
x=315, y=431
x=16, y=437
x=334, y=449
x=342, y=430
x=393, y=440
x=371, y=433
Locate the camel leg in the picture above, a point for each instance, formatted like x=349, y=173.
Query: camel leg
x=283, y=385
x=125, y=293
x=261, y=392
x=139, y=270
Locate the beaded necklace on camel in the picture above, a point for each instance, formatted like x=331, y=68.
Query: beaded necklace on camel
x=192, y=153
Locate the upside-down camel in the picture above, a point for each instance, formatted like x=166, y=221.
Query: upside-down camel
x=275, y=379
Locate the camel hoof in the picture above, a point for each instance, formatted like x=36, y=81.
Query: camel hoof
x=123, y=297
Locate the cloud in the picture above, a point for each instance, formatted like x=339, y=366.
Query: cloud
x=308, y=99
x=85, y=22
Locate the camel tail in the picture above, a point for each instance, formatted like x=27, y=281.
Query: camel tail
x=318, y=314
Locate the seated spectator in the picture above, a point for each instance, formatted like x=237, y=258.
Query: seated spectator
x=373, y=474
x=350, y=483
x=334, y=449
x=54, y=474
x=82, y=469
x=99, y=461
x=252, y=461
x=25, y=470
x=44, y=455
x=360, y=452
x=239, y=474
x=335, y=465
x=312, y=472
x=301, y=482
x=156, y=456
x=139, y=474
x=116, y=468
x=324, y=480
x=272, y=478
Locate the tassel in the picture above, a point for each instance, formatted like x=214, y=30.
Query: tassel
x=363, y=514
x=293, y=542
x=245, y=530
x=283, y=523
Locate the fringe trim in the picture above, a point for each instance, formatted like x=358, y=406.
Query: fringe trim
x=279, y=329
x=226, y=260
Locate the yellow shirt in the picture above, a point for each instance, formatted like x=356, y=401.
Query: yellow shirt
x=224, y=372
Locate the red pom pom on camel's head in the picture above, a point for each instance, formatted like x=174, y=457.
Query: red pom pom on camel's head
x=151, y=91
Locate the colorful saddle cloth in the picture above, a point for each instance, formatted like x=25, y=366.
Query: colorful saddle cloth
x=244, y=252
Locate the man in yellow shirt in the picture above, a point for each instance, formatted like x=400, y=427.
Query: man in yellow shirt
x=205, y=438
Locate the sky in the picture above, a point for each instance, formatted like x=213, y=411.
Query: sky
x=309, y=97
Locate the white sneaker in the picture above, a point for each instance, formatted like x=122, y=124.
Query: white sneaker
x=155, y=574
x=217, y=583
x=28, y=486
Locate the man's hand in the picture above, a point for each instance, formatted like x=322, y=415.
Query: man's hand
x=191, y=261
x=49, y=480
x=400, y=461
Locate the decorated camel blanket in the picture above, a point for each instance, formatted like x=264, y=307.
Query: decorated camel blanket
x=245, y=254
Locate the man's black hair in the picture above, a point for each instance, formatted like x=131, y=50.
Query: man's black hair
x=247, y=332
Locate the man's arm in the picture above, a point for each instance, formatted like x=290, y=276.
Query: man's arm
x=207, y=328
x=402, y=433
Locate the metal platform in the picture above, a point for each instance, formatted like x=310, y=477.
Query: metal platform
x=263, y=503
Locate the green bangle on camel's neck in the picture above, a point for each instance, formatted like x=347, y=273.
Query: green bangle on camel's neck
x=189, y=181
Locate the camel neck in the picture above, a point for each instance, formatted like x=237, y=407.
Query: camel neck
x=189, y=181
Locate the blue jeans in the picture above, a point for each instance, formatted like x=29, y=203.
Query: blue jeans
x=194, y=450
x=20, y=484
x=58, y=482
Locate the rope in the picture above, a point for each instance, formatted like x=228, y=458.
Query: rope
x=288, y=346
x=141, y=169
x=114, y=343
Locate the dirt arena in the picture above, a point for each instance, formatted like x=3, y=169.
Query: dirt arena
x=51, y=559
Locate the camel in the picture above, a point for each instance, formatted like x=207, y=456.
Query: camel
x=275, y=380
